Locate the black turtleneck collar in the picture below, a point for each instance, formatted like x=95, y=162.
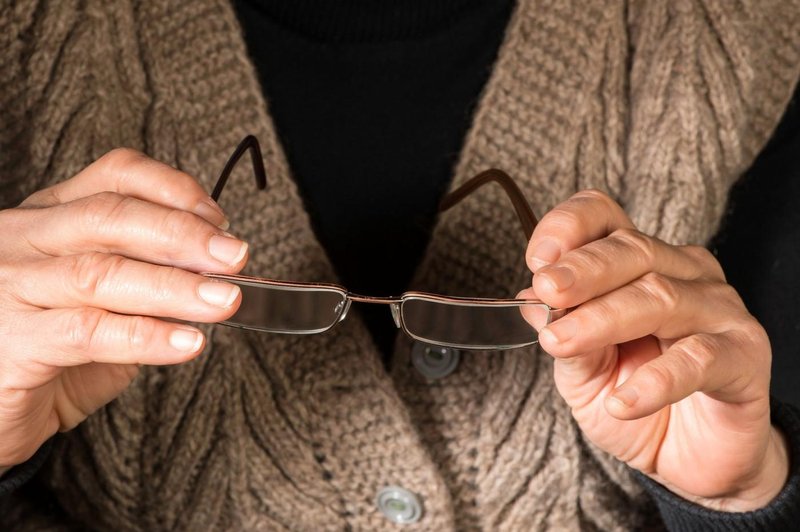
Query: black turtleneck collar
x=359, y=21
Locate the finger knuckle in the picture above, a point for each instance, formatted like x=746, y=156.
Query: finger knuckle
x=122, y=165
x=593, y=195
x=168, y=284
x=598, y=313
x=643, y=246
x=177, y=226
x=81, y=329
x=701, y=351
x=661, y=288
x=596, y=198
x=140, y=332
x=726, y=300
x=121, y=159
x=589, y=259
x=92, y=272
x=728, y=295
x=751, y=331
x=101, y=209
x=706, y=261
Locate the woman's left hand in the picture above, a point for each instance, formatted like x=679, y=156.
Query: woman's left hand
x=659, y=360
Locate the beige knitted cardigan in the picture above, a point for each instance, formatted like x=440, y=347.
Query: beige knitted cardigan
x=660, y=103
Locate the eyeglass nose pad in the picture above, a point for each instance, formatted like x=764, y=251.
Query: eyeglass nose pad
x=346, y=308
x=395, y=308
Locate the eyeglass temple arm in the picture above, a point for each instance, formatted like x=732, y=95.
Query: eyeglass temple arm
x=248, y=143
x=521, y=205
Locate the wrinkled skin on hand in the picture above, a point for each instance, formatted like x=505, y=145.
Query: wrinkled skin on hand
x=659, y=360
x=89, y=270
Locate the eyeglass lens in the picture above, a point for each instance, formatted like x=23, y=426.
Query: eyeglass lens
x=469, y=325
x=287, y=309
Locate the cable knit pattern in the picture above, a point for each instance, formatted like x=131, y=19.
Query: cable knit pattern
x=660, y=103
x=693, y=133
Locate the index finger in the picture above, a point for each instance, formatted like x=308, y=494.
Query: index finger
x=583, y=218
x=132, y=173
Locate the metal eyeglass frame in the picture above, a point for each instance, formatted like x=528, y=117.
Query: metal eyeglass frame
x=524, y=212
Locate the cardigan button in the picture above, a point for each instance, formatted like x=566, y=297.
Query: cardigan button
x=399, y=505
x=433, y=361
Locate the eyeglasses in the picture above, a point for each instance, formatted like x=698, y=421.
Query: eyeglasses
x=287, y=307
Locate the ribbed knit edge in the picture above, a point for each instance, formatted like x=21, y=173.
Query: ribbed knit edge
x=783, y=513
x=19, y=475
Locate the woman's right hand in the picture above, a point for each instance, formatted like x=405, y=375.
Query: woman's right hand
x=87, y=268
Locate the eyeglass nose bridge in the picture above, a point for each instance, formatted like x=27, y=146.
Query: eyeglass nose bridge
x=393, y=302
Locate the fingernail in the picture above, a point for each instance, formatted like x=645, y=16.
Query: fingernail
x=561, y=278
x=188, y=340
x=546, y=252
x=227, y=250
x=218, y=294
x=210, y=211
x=626, y=396
x=540, y=315
x=560, y=331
